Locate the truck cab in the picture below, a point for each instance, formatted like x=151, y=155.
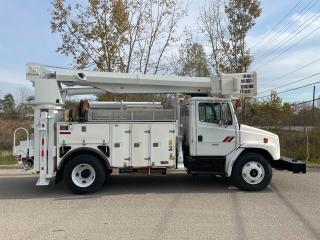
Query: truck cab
x=214, y=129
x=215, y=143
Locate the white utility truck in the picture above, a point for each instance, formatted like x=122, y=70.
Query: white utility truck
x=201, y=135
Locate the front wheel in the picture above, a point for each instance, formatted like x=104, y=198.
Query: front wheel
x=252, y=172
x=84, y=174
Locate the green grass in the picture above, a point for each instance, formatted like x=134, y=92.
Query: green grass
x=314, y=161
x=7, y=159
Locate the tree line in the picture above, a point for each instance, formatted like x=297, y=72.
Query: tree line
x=10, y=109
x=145, y=36
x=142, y=35
x=275, y=113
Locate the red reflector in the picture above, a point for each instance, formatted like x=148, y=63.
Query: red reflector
x=42, y=153
x=42, y=141
x=238, y=103
x=265, y=140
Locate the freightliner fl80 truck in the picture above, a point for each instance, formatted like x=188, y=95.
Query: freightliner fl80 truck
x=201, y=135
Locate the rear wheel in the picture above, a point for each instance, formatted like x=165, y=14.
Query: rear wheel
x=84, y=174
x=252, y=172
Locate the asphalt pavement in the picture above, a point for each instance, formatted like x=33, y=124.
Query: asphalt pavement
x=164, y=207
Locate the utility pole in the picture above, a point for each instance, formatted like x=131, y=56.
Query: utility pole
x=314, y=93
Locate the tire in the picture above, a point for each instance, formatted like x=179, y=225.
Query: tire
x=252, y=172
x=84, y=174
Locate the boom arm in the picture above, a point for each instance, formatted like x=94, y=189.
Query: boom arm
x=79, y=82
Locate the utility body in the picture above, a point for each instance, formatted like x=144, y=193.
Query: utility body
x=201, y=135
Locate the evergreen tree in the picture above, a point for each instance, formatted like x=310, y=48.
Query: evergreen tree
x=8, y=104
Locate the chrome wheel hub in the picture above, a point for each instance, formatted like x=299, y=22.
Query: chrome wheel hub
x=83, y=175
x=253, y=172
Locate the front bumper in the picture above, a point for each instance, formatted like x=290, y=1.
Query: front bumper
x=285, y=163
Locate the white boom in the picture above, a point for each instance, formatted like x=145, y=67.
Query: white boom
x=79, y=82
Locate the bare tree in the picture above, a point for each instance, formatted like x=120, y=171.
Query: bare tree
x=225, y=26
x=119, y=35
x=191, y=59
x=23, y=108
x=210, y=20
x=24, y=94
x=158, y=32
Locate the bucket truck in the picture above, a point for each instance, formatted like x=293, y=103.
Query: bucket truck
x=201, y=135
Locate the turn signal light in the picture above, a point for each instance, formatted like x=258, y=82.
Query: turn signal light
x=265, y=140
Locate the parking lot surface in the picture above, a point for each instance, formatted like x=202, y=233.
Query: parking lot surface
x=165, y=207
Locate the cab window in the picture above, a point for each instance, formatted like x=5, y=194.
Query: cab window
x=209, y=112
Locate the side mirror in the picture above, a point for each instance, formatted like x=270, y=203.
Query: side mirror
x=223, y=123
x=224, y=120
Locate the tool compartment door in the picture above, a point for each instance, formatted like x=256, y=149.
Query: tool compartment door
x=140, y=145
x=87, y=133
x=120, y=149
x=163, y=144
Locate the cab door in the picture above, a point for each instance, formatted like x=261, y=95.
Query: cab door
x=216, y=129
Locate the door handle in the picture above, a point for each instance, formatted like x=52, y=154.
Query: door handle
x=200, y=138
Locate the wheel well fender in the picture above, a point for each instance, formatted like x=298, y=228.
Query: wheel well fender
x=261, y=151
x=78, y=151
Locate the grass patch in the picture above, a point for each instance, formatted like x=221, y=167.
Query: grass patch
x=314, y=161
x=6, y=158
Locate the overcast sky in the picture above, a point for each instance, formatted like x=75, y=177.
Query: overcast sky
x=25, y=36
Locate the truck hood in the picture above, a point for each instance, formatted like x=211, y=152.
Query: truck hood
x=254, y=138
x=256, y=131
x=255, y=135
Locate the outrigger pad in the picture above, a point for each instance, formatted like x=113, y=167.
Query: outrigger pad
x=43, y=181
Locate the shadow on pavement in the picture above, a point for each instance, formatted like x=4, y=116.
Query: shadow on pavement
x=23, y=187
